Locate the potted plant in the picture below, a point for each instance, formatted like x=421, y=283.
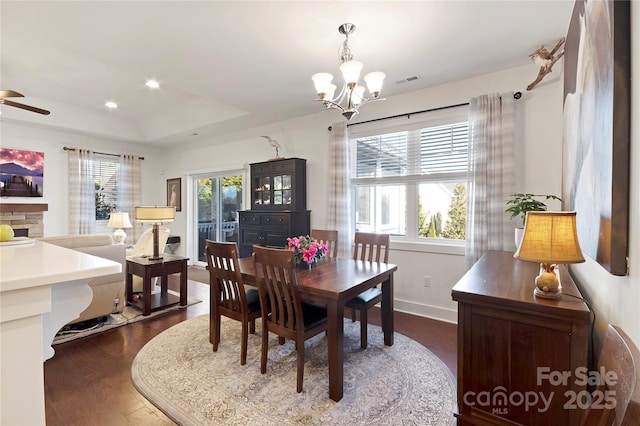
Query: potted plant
x=520, y=204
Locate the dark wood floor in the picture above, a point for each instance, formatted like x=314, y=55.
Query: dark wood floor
x=88, y=381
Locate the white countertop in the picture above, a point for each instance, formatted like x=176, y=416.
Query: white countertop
x=37, y=264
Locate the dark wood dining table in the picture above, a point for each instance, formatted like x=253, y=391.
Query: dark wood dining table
x=331, y=283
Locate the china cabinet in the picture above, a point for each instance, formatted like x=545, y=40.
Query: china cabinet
x=278, y=205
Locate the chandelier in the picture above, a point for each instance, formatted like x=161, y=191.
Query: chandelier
x=351, y=97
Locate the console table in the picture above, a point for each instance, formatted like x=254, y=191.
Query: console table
x=512, y=345
x=147, y=269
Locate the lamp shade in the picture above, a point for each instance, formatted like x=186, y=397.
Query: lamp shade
x=322, y=82
x=155, y=214
x=119, y=220
x=550, y=237
x=374, y=82
x=351, y=71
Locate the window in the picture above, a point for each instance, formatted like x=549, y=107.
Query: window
x=409, y=176
x=106, y=187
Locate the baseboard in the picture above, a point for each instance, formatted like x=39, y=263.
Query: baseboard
x=428, y=311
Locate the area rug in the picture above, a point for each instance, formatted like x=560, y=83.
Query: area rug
x=404, y=384
x=127, y=316
x=196, y=273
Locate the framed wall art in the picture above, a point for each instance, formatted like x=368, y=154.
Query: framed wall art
x=596, y=140
x=21, y=173
x=174, y=193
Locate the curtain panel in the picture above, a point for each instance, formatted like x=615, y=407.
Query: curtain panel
x=339, y=210
x=491, y=174
x=82, y=202
x=130, y=193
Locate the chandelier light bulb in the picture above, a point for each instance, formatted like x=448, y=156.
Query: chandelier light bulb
x=322, y=81
x=331, y=91
x=374, y=82
x=351, y=71
x=357, y=96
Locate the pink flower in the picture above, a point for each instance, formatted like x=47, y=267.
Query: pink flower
x=294, y=242
x=306, y=249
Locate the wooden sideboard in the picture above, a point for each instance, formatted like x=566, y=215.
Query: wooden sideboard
x=521, y=359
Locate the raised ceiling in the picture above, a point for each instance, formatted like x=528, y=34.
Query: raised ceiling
x=225, y=66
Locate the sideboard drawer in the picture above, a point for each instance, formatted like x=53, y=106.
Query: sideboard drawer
x=276, y=219
x=249, y=219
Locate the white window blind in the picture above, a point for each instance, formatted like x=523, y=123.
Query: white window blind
x=419, y=153
x=106, y=183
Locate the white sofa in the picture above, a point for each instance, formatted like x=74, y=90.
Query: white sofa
x=108, y=290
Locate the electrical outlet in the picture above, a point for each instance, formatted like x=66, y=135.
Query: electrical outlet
x=427, y=281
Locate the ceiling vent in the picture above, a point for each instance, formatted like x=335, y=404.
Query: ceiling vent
x=405, y=80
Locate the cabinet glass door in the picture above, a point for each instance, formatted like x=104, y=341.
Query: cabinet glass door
x=262, y=190
x=282, y=189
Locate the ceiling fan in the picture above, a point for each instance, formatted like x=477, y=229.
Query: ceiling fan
x=12, y=94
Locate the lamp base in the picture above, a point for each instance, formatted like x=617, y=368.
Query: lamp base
x=119, y=236
x=547, y=283
x=156, y=254
x=547, y=294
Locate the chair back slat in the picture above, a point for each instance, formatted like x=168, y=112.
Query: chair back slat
x=328, y=237
x=278, y=289
x=371, y=247
x=224, y=276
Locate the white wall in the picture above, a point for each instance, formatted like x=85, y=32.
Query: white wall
x=539, y=113
x=15, y=135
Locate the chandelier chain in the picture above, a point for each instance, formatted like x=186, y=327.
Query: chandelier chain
x=345, y=53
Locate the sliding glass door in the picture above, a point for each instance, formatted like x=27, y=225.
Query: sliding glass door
x=219, y=198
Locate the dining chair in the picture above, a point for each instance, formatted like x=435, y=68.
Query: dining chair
x=228, y=296
x=288, y=317
x=327, y=237
x=372, y=248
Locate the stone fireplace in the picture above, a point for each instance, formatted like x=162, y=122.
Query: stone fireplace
x=29, y=217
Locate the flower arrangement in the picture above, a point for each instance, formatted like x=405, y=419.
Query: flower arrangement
x=306, y=249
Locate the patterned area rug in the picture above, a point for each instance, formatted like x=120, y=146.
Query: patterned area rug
x=400, y=385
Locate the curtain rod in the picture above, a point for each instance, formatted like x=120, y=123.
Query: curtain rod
x=516, y=95
x=66, y=148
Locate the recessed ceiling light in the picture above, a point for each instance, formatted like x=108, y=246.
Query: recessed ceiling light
x=111, y=104
x=153, y=84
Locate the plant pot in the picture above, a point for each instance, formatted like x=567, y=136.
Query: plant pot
x=519, y=233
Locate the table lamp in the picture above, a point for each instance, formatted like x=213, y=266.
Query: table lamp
x=119, y=220
x=156, y=216
x=549, y=238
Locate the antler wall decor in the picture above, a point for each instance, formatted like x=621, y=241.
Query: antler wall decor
x=545, y=60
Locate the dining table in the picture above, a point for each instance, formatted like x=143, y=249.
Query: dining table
x=332, y=282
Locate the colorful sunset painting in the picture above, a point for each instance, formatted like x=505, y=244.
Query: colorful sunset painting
x=21, y=173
